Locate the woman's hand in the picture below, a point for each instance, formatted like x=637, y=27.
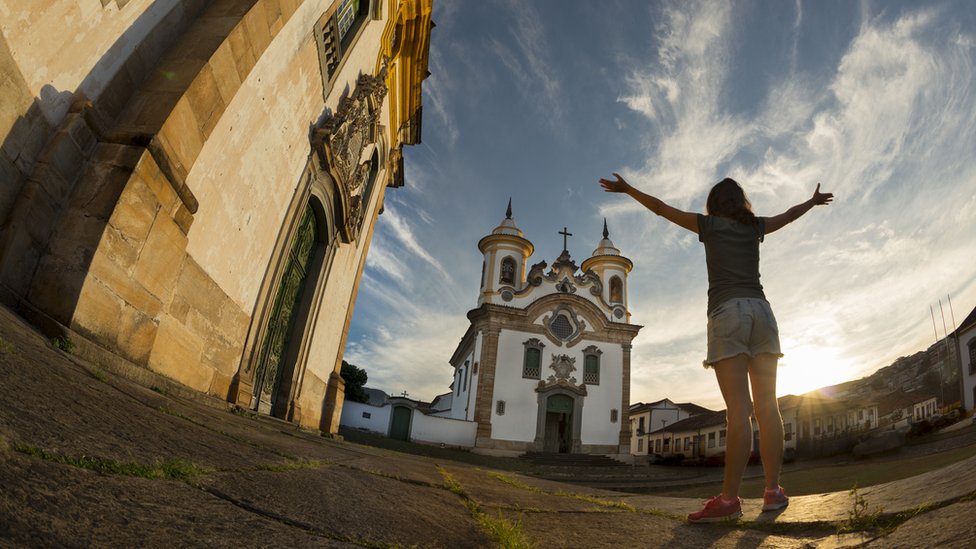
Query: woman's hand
x=819, y=198
x=618, y=186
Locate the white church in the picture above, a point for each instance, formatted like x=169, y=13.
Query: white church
x=544, y=365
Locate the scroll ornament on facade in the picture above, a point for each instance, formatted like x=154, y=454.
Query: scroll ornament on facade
x=340, y=144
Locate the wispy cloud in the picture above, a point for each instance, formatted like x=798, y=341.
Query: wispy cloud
x=529, y=60
x=888, y=133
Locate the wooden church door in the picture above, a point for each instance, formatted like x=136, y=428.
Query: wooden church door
x=274, y=372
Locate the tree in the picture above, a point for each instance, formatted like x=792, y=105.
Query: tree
x=355, y=378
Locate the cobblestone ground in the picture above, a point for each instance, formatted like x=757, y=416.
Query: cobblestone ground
x=90, y=459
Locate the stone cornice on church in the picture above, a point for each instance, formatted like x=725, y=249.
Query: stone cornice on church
x=626, y=264
x=490, y=316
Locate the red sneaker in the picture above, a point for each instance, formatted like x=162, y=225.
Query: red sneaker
x=775, y=499
x=718, y=509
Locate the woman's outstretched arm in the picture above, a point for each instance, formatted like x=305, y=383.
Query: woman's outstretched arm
x=682, y=219
x=778, y=222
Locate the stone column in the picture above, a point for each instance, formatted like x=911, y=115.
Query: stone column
x=484, y=402
x=625, y=401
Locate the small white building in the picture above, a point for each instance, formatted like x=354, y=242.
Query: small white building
x=698, y=437
x=645, y=418
x=545, y=364
x=966, y=340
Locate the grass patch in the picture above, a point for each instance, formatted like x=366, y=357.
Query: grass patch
x=64, y=343
x=173, y=469
x=99, y=375
x=502, y=531
x=602, y=502
x=293, y=465
x=6, y=347
x=513, y=482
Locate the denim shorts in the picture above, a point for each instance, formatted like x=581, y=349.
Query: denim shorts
x=742, y=325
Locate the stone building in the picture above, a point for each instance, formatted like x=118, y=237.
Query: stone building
x=545, y=363
x=191, y=186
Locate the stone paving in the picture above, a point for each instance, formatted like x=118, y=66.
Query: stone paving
x=91, y=459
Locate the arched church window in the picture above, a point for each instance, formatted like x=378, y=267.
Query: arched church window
x=591, y=365
x=508, y=271
x=482, y=274
x=374, y=169
x=616, y=290
x=532, y=359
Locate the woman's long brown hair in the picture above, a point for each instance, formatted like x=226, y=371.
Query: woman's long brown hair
x=727, y=199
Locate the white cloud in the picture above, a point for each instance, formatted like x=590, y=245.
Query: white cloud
x=891, y=134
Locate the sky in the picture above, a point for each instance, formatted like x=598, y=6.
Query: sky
x=538, y=100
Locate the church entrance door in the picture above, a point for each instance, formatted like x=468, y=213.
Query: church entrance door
x=273, y=377
x=559, y=423
x=400, y=427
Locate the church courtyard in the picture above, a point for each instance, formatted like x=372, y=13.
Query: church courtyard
x=105, y=456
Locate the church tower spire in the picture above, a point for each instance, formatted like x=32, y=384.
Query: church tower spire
x=612, y=268
x=505, y=253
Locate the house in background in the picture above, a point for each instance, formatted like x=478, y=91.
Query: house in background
x=644, y=418
x=965, y=337
x=697, y=437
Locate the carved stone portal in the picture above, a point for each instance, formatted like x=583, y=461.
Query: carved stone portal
x=340, y=144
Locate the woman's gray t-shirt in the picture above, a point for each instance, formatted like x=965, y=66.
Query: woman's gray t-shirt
x=732, y=258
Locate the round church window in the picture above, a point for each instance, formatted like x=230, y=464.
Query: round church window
x=507, y=295
x=618, y=312
x=562, y=327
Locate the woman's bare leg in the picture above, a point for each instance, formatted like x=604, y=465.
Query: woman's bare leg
x=733, y=380
x=762, y=375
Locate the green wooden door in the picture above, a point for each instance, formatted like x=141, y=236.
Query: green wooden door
x=283, y=315
x=400, y=429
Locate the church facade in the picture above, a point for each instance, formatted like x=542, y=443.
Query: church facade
x=190, y=187
x=545, y=363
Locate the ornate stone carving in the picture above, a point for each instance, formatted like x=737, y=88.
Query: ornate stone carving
x=566, y=286
x=534, y=278
x=340, y=142
x=565, y=330
x=563, y=366
x=589, y=277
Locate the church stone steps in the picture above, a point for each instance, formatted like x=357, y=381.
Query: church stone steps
x=570, y=460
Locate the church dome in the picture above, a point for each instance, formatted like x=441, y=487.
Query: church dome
x=507, y=226
x=605, y=247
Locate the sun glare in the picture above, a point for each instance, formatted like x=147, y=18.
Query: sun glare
x=806, y=367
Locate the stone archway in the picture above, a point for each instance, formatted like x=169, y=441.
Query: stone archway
x=559, y=420
x=275, y=370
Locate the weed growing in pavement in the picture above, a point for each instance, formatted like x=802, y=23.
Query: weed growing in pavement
x=859, y=518
x=6, y=347
x=64, y=343
x=513, y=482
x=174, y=469
x=294, y=465
x=99, y=375
x=506, y=533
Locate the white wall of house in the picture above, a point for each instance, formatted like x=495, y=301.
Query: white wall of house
x=924, y=410
x=442, y=430
x=357, y=415
x=967, y=344
x=711, y=438
x=465, y=384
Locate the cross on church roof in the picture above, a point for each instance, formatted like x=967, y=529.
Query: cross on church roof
x=565, y=234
